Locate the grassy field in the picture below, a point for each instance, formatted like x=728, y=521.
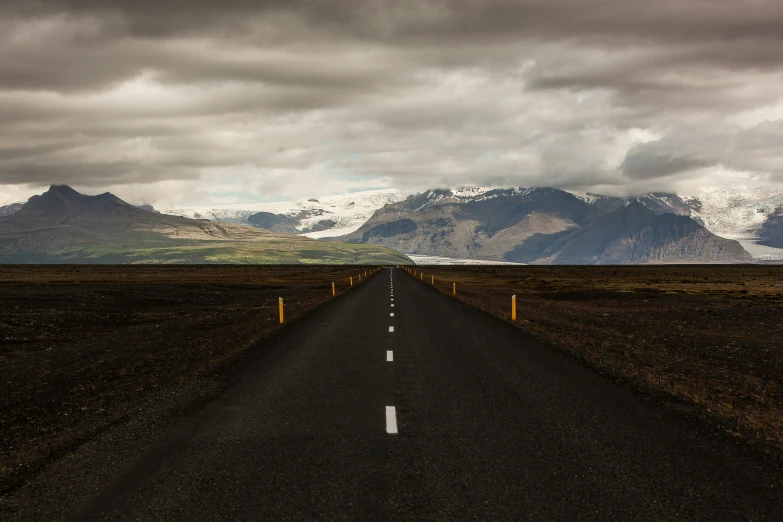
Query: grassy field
x=707, y=336
x=273, y=251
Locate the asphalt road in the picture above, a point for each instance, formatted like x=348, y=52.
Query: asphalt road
x=453, y=415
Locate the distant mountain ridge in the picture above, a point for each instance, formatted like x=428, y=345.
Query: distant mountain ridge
x=63, y=226
x=328, y=216
x=658, y=202
x=546, y=225
x=7, y=210
x=730, y=212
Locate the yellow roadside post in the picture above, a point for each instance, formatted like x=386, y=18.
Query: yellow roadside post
x=453, y=288
x=365, y=273
x=514, y=307
x=280, y=305
x=421, y=275
x=351, y=278
x=433, y=280
x=332, y=287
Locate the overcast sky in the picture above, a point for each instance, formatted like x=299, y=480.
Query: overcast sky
x=182, y=102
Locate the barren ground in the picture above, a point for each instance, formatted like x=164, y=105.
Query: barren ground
x=82, y=348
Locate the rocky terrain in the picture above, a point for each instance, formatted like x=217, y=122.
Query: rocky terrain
x=635, y=234
x=771, y=233
x=545, y=226
x=7, y=210
x=273, y=222
x=658, y=202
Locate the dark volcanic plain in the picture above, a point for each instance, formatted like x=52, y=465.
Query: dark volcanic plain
x=707, y=337
x=115, y=354
x=83, y=349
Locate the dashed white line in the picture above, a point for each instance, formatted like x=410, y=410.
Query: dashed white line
x=392, y=305
x=391, y=314
x=391, y=329
x=389, y=356
x=391, y=420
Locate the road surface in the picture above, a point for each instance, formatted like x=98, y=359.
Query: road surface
x=396, y=402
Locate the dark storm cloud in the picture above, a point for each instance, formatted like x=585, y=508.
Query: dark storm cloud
x=641, y=163
x=722, y=33
x=573, y=93
x=664, y=19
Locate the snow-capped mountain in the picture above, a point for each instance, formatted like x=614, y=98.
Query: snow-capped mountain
x=735, y=212
x=7, y=210
x=730, y=212
x=328, y=216
x=658, y=202
x=544, y=225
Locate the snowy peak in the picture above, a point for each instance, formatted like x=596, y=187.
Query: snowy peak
x=326, y=216
x=658, y=202
x=420, y=202
x=730, y=212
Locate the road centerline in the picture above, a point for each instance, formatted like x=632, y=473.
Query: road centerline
x=391, y=420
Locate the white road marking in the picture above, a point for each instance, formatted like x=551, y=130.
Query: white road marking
x=391, y=329
x=391, y=420
x=391, y=314
x=392, y=305
x=389, y=356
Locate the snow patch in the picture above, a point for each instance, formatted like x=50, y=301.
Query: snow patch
x=735, y=212
x=338, y=215
x=760, y=252
x=438, y=260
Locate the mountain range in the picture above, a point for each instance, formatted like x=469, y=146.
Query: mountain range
x=64, y=226
x=531, y=225
x=731, y=212
x=546, y=225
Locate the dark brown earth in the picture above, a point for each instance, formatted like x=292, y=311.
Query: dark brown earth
x=83, y=348
x=708, y=337
x=87, y=349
